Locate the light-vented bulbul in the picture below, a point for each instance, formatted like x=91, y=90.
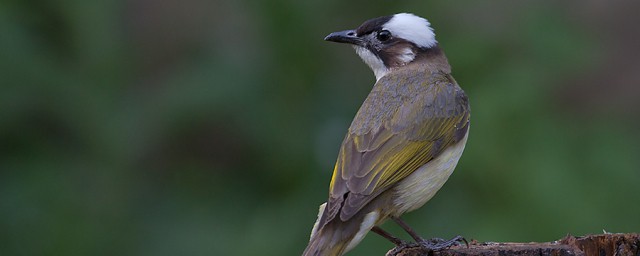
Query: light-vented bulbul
x=403, y=143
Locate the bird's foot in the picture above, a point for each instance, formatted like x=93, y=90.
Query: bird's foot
x=437, y=244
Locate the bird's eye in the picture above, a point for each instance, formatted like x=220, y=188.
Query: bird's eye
x=384, y=35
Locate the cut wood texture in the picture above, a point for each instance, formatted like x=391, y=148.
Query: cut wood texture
x=596, y=245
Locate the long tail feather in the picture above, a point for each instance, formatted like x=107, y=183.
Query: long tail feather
x=337, y=237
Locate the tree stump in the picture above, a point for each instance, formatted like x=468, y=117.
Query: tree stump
x=596, y=245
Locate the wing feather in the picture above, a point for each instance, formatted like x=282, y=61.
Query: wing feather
x=399, y=128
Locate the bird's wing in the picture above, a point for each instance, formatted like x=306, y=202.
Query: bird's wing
x=397, y=130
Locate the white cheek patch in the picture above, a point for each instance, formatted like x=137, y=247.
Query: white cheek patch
x=407, y=55
x=412, y=28
x=375, y=63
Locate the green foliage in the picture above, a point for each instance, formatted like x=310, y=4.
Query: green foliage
x=211, y=128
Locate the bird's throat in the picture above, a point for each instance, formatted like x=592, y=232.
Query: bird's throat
x=375, y=63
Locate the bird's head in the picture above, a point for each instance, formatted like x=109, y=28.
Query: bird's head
x=387, y=42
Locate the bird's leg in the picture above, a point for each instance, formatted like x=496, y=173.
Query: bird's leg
x=388, y=236
x=400, y=244
x=434, y=244
x=406, y=227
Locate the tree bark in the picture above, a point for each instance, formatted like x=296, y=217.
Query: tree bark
x=597, y=245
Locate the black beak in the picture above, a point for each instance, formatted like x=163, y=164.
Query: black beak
x=347, y=36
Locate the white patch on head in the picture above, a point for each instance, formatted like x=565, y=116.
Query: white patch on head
x=375, y=63
x=367, y=223
x=412, y=28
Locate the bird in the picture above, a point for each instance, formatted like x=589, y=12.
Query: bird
x=403, y=143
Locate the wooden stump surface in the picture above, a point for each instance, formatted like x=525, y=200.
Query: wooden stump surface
x=596, y=245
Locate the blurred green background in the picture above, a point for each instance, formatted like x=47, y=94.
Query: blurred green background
x=211, y=128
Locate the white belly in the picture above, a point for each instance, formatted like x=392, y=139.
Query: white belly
x=420, y=186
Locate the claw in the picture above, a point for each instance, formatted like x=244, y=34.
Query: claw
x=465, y=242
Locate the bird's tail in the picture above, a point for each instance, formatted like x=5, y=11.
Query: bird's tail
x=325, y=244
x=334, y=238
